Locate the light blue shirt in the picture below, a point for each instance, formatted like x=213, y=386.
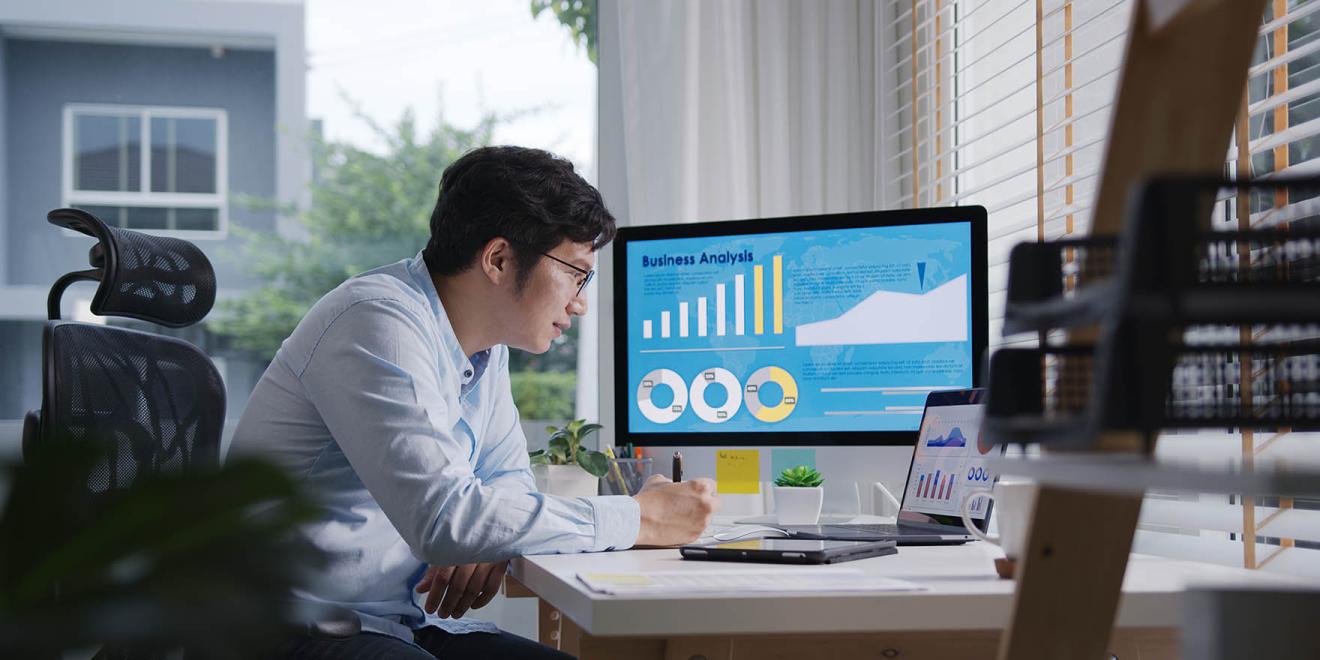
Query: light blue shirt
x=414, y=447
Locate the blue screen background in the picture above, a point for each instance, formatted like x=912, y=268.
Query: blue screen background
x=859, y=308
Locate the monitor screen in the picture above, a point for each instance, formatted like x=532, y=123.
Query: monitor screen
x=811, y=330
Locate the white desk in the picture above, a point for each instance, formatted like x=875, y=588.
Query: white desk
x=960, y=615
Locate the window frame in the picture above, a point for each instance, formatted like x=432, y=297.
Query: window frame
x=218, y=200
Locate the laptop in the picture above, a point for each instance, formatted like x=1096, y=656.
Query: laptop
x=949, y=461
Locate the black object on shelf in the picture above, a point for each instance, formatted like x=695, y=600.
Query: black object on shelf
x=1174, y=311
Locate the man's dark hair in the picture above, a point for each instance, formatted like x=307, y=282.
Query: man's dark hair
x=530, y=197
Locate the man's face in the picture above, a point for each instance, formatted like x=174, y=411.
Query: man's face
x=548, y=302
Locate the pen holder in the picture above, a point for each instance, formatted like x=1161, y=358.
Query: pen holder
x=626, y=476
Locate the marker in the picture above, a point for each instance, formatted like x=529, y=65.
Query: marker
x=678, y=467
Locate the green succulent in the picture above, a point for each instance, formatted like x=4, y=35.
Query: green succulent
x=566, y=448
x=802, y=476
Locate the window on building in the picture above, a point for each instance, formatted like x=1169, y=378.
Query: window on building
x=152, y=169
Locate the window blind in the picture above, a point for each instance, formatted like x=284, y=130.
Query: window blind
x=1008, y=104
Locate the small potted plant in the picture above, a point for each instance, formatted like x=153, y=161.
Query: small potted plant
x=566, y=468
x=798, y=496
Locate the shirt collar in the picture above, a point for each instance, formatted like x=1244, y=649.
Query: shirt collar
x=469, y=370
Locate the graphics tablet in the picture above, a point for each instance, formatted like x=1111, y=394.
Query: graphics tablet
x=789, y=551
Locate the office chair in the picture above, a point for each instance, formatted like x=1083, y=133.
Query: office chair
x=155, y=404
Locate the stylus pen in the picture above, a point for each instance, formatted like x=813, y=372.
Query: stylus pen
x=678, y=467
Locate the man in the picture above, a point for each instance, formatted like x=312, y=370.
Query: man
x=391, y=401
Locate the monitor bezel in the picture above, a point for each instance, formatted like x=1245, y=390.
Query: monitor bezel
x=975, y=215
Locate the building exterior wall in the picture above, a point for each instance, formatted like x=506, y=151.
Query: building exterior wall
x=272, y=25
x=44, y=76
x=244, y=56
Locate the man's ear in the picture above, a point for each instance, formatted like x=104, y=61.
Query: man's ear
x=496, y=260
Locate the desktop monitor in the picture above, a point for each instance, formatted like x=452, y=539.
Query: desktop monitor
x=813, y=330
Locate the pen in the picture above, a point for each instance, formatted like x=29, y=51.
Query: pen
x=678, y=467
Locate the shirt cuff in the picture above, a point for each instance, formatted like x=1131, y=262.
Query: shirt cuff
x=618, y=521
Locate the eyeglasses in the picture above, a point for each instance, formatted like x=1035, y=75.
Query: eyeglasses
x=587, y=274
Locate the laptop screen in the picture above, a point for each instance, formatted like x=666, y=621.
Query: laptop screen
x=949, y=461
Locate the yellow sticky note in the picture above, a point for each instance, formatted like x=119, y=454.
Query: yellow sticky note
x=738, y=471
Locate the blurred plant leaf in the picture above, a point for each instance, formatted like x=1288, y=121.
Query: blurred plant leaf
x=594, y=462
x=203, y=559
x=566, y=447
x=368, y=209
x=539, y=457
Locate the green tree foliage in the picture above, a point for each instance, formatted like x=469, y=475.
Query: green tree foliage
x=367, y=209
x=370, y=209
x=544, y=395
x=579, y=16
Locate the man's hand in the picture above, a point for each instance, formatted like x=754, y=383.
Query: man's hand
x=674, y=514
x=456, y=589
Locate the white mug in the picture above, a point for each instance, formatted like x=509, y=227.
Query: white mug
x=1014, y=501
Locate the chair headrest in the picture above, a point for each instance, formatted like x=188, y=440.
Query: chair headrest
x=167, y=281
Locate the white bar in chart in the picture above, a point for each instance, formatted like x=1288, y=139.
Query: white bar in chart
x=719, y=310
x=682, y=319
x=664, y=324
x=738, y=286
x=646, y=329
x=701, y=316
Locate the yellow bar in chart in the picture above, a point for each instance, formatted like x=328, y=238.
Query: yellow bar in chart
x=779, y=294
x=758, y=299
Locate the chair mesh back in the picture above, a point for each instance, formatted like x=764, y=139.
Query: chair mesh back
x=162, y=280
x=155, y=404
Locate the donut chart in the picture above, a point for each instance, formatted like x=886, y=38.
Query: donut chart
x=646, y=388
x=716, y=414
x=785, y=406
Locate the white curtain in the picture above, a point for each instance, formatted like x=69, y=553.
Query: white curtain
x=751, y=108
x=732, y=109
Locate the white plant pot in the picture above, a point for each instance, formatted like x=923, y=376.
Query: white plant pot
x=798, y=506
x=565, y=480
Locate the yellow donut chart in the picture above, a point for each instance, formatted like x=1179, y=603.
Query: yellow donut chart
x=752, y=399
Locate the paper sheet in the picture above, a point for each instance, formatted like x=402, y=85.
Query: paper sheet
x=737, y=582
